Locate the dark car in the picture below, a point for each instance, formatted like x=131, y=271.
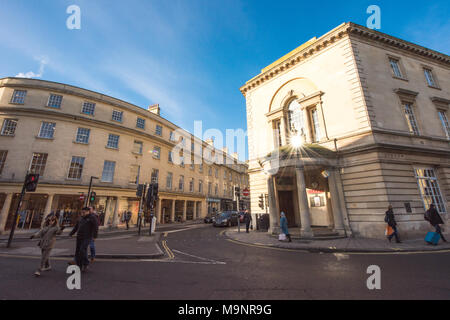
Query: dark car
x=226, y=219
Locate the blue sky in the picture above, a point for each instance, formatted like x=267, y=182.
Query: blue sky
x=190, y=56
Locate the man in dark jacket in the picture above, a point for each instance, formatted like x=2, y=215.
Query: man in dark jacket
x=435, y=220
x=247, y=219
x=86, y=229
x=390, y=220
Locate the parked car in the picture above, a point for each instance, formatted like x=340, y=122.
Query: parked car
x=209, y=218
x=226, y=219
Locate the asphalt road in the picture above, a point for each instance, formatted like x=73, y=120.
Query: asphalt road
x=206, y=265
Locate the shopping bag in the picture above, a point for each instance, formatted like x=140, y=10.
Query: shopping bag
x=282, y=237
x=388, y=231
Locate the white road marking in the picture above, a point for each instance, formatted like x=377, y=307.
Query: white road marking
x=341, y=256
x=211, y=261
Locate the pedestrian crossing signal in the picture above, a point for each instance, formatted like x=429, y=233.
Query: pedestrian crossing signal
x=261, y=201
x=92, y=198
x=31, y=182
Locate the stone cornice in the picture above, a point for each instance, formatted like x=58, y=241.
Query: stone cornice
x=346, y=29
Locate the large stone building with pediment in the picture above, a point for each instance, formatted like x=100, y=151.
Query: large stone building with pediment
x=345, y=125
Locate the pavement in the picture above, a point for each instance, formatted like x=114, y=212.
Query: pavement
x=335, y=245
x=118, y=243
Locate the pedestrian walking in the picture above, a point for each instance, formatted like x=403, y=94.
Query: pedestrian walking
x=127, y=218
x=92, y=243
x=86, y=229
x=390, y=220
x=433, y=217
x=48, y=237
x=284, y=226
x=248, y=220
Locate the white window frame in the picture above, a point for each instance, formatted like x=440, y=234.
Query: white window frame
x=411, y=120
x=396, y=68
x=47, y=128
x=88, y=106
x=142, y=121
x=157, y=152
x=169, y=180
x=159, y=130
x=134, y=174
x=41, y=164
x=110, y=170
x=430, y=77
x=7, y=126
x=117, y=116
x=435, y=191
x=74, y=169
x=80, y=136
x=444, y=121
x=112, y=140
x=18, y=96
x=54, y=101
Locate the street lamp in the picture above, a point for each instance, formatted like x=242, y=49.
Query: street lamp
x=89, y=190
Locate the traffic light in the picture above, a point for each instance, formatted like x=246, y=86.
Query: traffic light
x=149, y=198
x=155, y=191
x=31, y=182
x=92, y=198
x=140, y=190
x=237, y=192
x=261, y=201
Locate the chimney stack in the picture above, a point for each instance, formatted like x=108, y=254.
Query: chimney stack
x=155, y=109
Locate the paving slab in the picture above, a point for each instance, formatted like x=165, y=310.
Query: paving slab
x=118, y=247
x=335, y=245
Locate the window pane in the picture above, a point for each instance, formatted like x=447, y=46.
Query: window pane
x=38, y=162
x=140, y=123
x=429, y=77
x=134, y=174
x=295, y=118
x=411, y=119
x=9, y=127
x=76, y=168
x=316, y=125
x=429, y=189
x=169, y=180
x=108, y=171
x=88, y=108
x=113, y=141
x=138, y=146
x=157, y=152
x=445, y=125
x=19, y=96
x=83, y=135
x=117, y=115
x=54, y=101
x=181, y=183
x=47, y=130
x=155, y=175
x=158, y=130
x=395, y=68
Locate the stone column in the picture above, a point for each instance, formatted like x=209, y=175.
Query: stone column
x=184, y=210
x=305, y=218
x=172, y=213
x=344, y=213
x=107, y=211
x=5, y=211
x=158, y=210
x=48, y=208
x=115, y=215
x=195, y=209
x=337, y=215
x=273, y=212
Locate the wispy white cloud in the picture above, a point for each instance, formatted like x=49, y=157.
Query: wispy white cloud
x=43, y=61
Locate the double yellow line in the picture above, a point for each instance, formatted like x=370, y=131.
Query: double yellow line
x=166, y=247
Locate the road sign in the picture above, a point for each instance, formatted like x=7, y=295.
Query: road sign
x=246, y=192
x=82, y=197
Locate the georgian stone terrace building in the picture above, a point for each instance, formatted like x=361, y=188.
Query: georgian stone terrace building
x=347, y=124
x=68, y=134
